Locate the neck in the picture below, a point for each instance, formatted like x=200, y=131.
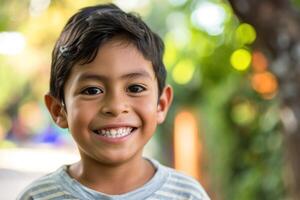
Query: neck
x=112, y=179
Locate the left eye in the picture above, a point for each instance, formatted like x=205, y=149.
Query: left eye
x=136, y=88
x=92, y=91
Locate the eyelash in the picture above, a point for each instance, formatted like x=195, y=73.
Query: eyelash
x=135, y=89
x=140, y=88
x=87, y=90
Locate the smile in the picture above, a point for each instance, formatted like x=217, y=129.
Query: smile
x=115, y=132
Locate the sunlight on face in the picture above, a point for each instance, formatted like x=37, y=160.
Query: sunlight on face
x=111, y=103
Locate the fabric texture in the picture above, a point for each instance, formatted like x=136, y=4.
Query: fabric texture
x=166, y=184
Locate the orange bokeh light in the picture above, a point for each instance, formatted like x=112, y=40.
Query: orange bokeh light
x=187, y=145
x=259, y=62
x=265, y=83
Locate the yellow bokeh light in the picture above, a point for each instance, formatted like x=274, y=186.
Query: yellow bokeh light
x=240, y=59
x=170, y=55
x=243, y=113
x=245, y=34
x=183, y=71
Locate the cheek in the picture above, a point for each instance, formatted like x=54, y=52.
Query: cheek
x=80, y=115
x=147, y=110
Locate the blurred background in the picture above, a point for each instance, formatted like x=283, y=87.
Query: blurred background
x=234, y=66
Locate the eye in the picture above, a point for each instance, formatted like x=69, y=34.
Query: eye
x=92, y=91
x=136, y=88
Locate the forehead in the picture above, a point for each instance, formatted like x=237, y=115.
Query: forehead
x=116, y=58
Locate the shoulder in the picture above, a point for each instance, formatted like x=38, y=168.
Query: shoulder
x=45, y=187
x=181, y=186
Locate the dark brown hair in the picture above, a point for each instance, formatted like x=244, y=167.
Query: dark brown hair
x=90, y=28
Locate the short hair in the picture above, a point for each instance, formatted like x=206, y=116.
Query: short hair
x=90, y=28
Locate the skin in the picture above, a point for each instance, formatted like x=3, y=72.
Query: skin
x=117, y=89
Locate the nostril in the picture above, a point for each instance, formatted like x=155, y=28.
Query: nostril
x=114, y=110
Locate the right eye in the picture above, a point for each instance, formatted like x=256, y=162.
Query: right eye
x=92, y=91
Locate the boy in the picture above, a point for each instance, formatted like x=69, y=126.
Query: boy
x=107, y=86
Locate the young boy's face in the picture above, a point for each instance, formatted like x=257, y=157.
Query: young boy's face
x=112, y=104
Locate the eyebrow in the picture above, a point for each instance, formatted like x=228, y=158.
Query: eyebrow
x=98, y=77
x=138, y=74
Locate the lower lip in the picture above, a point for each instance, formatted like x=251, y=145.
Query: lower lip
x=114, y=140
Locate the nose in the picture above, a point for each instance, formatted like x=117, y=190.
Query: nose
x=114, y=104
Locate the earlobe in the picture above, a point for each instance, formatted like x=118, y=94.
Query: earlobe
x=164, y=103
x=56, y=110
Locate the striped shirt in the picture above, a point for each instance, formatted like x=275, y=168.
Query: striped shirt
x=166, y=184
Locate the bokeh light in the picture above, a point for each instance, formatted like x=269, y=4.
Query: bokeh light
x=31, y=114
x=245, y=34
x=11, y=43
x=259, y=62
x=207, y=46
x=209, y=17
x=37, y=7
x=171, y=53
x=240, y=59
x=187, y=145
x=183, y=71
x=143, y=6
x=178, y=29
x=265, y=83
x=243, y=113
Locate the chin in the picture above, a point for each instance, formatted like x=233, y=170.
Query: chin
x=115, y=160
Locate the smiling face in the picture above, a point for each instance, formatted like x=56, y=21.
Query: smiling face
x=112, y=104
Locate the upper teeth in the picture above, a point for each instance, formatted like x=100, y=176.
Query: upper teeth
x=115, y=132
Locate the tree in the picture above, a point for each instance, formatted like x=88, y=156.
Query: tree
x=277, y=24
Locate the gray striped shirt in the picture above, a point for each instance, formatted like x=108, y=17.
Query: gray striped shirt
x=166, y=184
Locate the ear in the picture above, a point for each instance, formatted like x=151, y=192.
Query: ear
x=56, y=110
x=165, y=101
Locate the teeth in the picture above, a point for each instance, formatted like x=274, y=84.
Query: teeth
x=115, y=133
x=120, y=131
